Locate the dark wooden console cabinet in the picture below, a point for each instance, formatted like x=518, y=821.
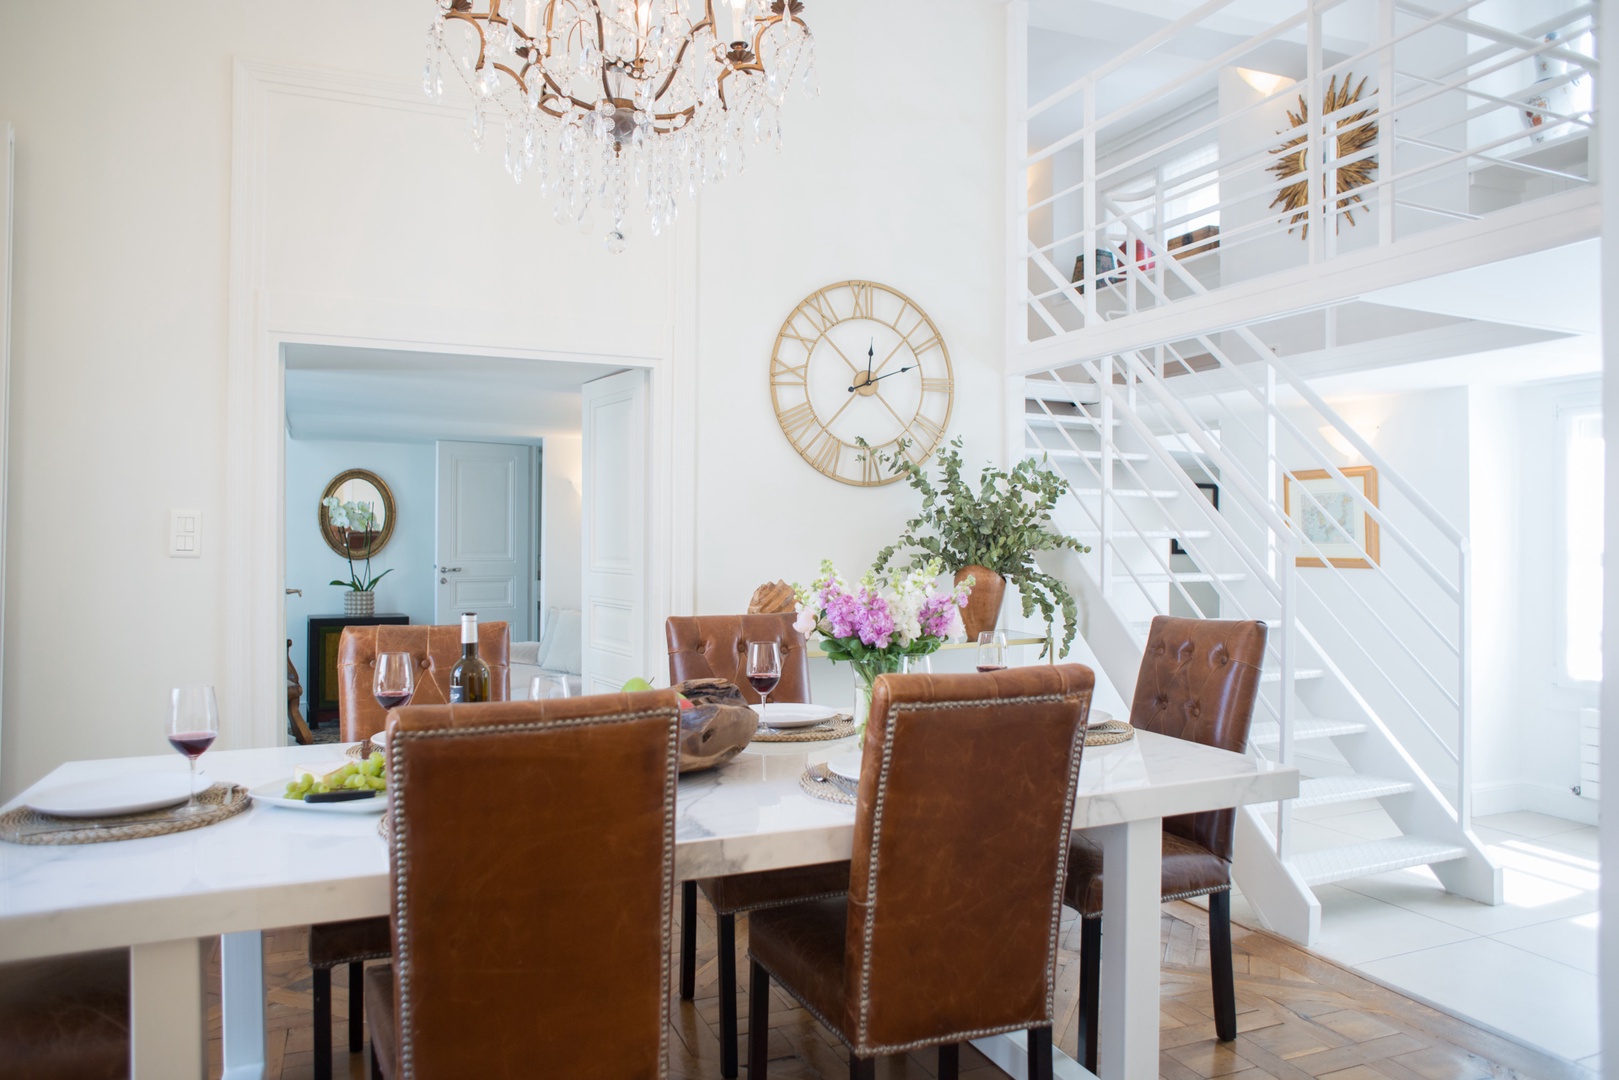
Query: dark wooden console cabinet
x=324, y=632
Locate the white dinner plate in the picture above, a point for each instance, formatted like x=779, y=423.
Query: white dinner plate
x=845, y=765
x=792, y=714
x=274, y=794
x=1097, y=718
x=116, y=795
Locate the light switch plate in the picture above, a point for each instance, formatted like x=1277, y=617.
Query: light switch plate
x=185, y=534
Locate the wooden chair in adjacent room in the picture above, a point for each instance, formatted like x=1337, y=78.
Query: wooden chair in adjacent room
x=557, y=963
x=435, y=649
x=1198, y=681
x=715, y=647
x=295, y=690
x=949, y=931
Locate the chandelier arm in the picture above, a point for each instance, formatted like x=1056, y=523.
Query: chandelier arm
x=472, y=21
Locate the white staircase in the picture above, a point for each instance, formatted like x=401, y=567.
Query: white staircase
x=1135, y=442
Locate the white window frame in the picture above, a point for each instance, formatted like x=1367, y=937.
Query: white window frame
x=1569, y=411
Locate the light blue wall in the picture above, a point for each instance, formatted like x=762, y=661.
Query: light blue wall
x=410, y=471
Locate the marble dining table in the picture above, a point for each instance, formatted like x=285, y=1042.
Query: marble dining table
x=166, y=898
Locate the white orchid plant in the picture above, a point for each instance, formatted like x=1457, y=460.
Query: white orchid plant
x=354, y=519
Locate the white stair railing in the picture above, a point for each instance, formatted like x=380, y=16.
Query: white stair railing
x=1402, y=662
x=1451, y=94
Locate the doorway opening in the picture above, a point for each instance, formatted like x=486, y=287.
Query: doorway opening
x=483, y=460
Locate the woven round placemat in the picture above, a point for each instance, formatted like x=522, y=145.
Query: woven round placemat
x=839, y=728
x=823, y=783
x=360, y=750
x=1109, y=733
x=25, y=826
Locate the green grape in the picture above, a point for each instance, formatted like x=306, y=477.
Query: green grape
x=377, y=758
x=377, y=783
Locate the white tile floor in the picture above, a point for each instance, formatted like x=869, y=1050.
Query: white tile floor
x=1526, y=968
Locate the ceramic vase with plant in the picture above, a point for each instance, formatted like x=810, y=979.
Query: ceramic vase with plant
x=874, y=624
x=989, y=532
x=355, y=523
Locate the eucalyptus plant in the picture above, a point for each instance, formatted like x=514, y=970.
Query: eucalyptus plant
x=999, y=524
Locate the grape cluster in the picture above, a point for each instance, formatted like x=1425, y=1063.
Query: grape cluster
x=355, y=776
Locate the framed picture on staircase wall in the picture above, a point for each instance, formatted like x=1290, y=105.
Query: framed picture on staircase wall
x=1332, y=517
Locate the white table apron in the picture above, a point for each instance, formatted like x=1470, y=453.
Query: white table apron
x=165, y=897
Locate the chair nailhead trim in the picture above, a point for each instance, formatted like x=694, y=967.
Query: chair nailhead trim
x=861, y=1046
x=400, y=828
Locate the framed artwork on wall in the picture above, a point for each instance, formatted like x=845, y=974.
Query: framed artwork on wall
x=1210, y=492
x=1333, y=520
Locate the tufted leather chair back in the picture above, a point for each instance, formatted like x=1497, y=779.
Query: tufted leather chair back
x=1198, y=681
x=716, y=647
x=961, y=840
x=435, y=650
x=532, y=849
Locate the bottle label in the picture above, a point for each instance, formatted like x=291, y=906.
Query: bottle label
x=469, y=629
x=457, y=695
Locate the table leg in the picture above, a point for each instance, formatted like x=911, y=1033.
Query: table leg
x=166, y=1025
x=242, y=1004
x=1132, y=895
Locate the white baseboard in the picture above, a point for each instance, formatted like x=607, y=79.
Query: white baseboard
x=1506, y=797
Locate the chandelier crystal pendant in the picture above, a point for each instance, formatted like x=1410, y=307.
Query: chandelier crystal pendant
x=598, y=96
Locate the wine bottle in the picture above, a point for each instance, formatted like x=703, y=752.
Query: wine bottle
x=469, y=679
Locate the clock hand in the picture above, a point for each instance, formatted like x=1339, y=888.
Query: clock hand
x=880, y=378
x=871, y=354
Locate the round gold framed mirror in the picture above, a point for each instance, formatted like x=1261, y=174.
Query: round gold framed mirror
x=364, y=538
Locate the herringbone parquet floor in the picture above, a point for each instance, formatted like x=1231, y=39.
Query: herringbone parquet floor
x=1300, y=1018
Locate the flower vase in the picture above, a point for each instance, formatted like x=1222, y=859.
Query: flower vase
x=359, y=603
x=865, y=679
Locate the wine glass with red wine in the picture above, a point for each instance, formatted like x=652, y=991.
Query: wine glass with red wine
x=193, y=726
x=395, y=681
x=992, y=650
x=764, y=669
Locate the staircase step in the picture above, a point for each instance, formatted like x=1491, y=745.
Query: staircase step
x=1321, y=790
x=1066, y=454
x=1372, y=857
x=1191, y=576
x=1269, y=732
x=1147, y=534
x=1299, y=675
x=1131, y=492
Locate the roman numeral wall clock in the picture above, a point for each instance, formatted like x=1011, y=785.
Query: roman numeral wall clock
x=860, y=360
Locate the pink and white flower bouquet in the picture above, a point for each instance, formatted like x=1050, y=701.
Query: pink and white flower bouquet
x=874, y=624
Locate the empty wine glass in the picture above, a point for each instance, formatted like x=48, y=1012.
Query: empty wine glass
x=992, y=650
x=764, y=669
x=193, y=726
x=548, y=687
x=916, y=665
x=395, y=681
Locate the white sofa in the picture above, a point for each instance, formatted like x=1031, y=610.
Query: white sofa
x=557, y=652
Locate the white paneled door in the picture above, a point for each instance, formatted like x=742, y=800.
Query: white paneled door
x=485, y=535
x=613, y=505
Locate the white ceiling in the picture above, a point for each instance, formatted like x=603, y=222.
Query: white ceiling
x=1552, y=290
x=384, y=395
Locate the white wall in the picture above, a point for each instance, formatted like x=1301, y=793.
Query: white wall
x=562, y=525
x=1608, y=962
x=378, y=223
x=410, y=473
x=892, y=174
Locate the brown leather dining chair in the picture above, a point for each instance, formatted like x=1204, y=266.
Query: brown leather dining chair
x=715, y=647
x=531, y=917
x=435, y=649
x=1198, y=681
x=65, y=1017
x=950, y=927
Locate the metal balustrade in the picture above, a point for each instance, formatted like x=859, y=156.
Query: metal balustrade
x=1470, y=119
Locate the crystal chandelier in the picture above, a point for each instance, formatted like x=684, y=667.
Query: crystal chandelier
x=597, y=96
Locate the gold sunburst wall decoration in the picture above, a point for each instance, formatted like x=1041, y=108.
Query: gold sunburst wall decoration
x=1354, y=133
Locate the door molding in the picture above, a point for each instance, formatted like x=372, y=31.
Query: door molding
x=252, y=682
